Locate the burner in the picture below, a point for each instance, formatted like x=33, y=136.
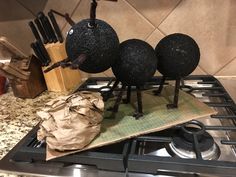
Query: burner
x=183, y=144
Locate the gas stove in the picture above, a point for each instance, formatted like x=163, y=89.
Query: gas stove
x=206, y=147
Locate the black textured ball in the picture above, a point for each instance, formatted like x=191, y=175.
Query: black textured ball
x=178, y=55
x=137, y=62
x=100, y=44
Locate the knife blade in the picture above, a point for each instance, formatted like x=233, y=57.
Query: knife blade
x=41, y=30
x=55, y=26
x=34, y=31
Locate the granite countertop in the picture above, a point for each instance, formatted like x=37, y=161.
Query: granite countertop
x=17, y=118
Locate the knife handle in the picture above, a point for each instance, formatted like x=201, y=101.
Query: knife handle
x=55, y=26
x=41, y=16
x=43, y=50
x=48, y=26
x=41, y=30
x=38, y=54
x=50, y=29
x=34, y=31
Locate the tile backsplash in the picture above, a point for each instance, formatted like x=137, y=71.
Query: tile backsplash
x=212, y=23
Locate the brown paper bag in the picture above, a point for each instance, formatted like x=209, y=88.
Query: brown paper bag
x=71, y=122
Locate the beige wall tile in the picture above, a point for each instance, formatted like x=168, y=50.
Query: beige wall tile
x=120, y=15
x=63, y=7
x=154, y=10
x=154, y=38
x=208, y=23
x=229, y=84
x=198, y=71
x=109, y=73
x=228, y=70
x=19, y=33
x=11, y=10
x=33, y=6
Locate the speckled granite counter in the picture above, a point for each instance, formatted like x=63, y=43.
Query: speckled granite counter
x=17, y=117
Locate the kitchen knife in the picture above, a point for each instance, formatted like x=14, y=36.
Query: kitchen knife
x=34, y=31
x=50, y=29
x=43, y=50
x=48, y=26
x=40, y=16
x=41, y=30
x=55, y=26
x=38, y=54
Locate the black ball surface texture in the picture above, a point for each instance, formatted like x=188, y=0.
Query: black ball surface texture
x=100, y=44
x=178, y=55
x=137, y=62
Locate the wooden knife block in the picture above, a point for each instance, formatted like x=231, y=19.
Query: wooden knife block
x=35, y=84
x=60, y=79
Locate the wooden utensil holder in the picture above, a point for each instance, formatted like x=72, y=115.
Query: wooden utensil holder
x=35, y=84
x=60, y=79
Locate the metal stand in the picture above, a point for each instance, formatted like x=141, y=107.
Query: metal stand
x=107, y=94
x=176, y=97
x=127, y=100
x=139, y=111
x=157, y=92
x=118, y=100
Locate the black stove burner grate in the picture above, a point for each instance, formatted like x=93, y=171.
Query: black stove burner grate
x=112, y=157
x=146, y=163
x=127, y=156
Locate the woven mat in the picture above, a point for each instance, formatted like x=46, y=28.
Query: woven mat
x=121, y=126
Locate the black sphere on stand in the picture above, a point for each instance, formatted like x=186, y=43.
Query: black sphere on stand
x=178, y=55
x=100, y=44
x=136, y=64
x=92, y=45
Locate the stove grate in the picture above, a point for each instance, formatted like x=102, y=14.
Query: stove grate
x=130, y=155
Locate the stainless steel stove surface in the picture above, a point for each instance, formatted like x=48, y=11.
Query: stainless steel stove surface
x=206, y=147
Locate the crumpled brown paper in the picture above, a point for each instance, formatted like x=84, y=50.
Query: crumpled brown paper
x=71, y=122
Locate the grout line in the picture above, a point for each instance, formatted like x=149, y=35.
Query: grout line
x=203, y=70
x=140, y=14
x=26, y=8
x=162, y=32
x=146, y=38
x=77, y=5
x=231, y=60
x=72, y=13
x=169, y=13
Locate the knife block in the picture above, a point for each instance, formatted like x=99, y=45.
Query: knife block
x=34, y=85
x=60, y=79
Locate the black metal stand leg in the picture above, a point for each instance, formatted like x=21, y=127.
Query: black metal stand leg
x=139, y=112
x=176, y=96
x=157, y=92
x=107, y=95
x=127, y=100
x=118, y=100
x=182, y=82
